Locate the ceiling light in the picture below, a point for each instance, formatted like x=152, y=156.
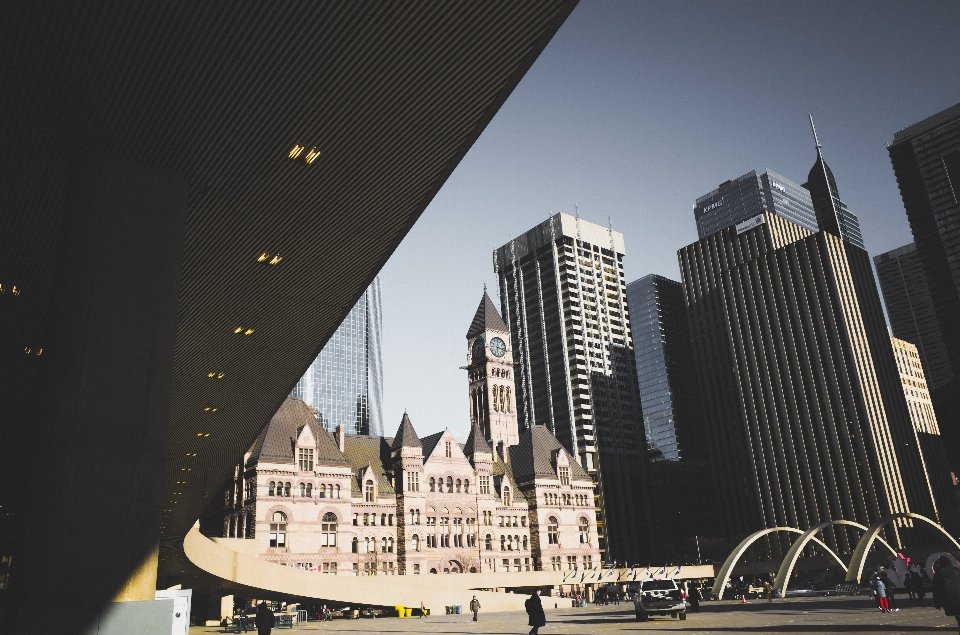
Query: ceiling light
x=219, y=375
x=248, y=332
x=312, y=156
x=276, y=259
x=297, y=149
x=238, y=329
x=263, y=257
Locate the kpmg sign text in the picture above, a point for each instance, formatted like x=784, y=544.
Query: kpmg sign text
x=712, y=206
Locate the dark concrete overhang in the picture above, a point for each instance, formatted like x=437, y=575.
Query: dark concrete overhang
x=392, y=95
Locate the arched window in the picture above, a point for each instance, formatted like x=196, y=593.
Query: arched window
x=553, y=531
x=525, y=544
x=337, y=491
x=488, y=543
x=493, y=398
x=303, y=489
x=278, y=530
x=459, y=483
x=273, y=486
x=232, y=532
x=503, y=543
x=309, y=490
x=466, y=486
x=321, y=491
x=240, y=520
x=390, y=544
x=433, y=484
x=584, y=527
x=503, y=406
x=415, y=543
x=328, y=530
x=449, y=484
x=250, y=525
x=506, y=497
x=509, y=403
x=355, y=545
x=286, y=490
x=368, y=491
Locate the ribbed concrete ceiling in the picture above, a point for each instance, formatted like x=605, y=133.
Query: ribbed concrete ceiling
x=392, y=94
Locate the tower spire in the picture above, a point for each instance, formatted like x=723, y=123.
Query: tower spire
x=814, y=128
x=840, y=228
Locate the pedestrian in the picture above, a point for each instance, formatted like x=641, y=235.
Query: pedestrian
x=891, y=590
x=881, y=595
x=946, y=587
x=695, y=599
x=264, y=619
x=768, y=590
x=911, y=583
x=475, y=607
x=423, y=610
x=535, y=612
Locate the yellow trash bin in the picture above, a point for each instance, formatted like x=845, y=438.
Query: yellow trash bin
x=407, y=612
x=399, y=610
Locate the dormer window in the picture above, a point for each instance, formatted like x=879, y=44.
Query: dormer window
x=368, y=493
x=449, y=447
x=564, y=475
x=506, y=496
x=305, y=459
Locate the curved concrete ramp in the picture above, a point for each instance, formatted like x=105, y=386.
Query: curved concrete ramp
x=435, y=591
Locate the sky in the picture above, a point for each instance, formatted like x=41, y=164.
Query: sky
x=633, y=111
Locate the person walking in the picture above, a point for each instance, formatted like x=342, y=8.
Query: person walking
x=881, y=595
x=423, y=610
x=535, y=612
x=264, y=619
x=946, y=587
x=768, y=590
x=891, y=591
x=475, y=607
x=694, y=599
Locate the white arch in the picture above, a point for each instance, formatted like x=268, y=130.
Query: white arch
x=790, y=560
x=863, y=547
x=723, y=576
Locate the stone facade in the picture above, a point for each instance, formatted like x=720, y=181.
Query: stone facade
x=364, y=505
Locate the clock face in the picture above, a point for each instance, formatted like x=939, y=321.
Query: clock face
x=477, y=351
x=497, y=347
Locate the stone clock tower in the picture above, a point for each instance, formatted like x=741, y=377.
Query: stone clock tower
x=490, y=374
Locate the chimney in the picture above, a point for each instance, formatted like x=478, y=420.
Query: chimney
x=340, y=440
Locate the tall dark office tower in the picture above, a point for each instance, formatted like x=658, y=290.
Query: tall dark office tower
x=911, y=312
x=926, y=162
x=752, y=194
x=832, y=213
x=563, y=297
x=678, y=450
x=665, y=372
x=344, y=384
x=801, y=391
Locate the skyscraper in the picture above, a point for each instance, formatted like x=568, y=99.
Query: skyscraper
x=344, y=384
x=832, y=213
x=563, y=297
x=801, y=391
x=926, y=162
x=665, y=371
x=910, y=310
x=752, y=194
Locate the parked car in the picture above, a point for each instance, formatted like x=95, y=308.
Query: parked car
x=659, y=597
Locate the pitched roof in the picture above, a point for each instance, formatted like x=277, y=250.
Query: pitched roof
x=534, y=455
x=476, y=442
x=406, y=435
x=429, y=443
x=363, y=450
x=278, y=440
x=487, y=317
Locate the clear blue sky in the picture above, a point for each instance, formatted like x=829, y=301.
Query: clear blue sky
x=633, y=111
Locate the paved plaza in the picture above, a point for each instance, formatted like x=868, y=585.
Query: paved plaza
x=847, y=615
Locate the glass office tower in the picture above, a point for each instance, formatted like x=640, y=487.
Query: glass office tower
x=750, y=195
x=832, y=213
x=911, y=312
x=665, y=370
x=345, y=383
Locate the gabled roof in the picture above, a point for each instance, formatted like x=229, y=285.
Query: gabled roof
x=278, y=440
x=534, y=456
x=406, y=435
x=429, y=443
x=487, y=317
x=363, y=451
x=476, y=443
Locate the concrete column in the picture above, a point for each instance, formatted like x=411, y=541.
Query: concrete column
x=92, y=424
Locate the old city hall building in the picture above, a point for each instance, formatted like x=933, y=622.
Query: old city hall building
x=350, y=504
